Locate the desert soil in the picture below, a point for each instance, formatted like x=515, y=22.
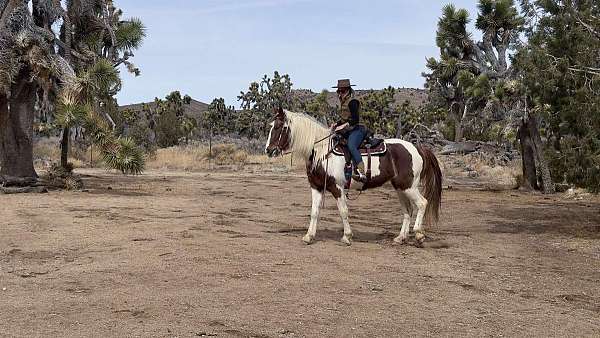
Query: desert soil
x=220, y=254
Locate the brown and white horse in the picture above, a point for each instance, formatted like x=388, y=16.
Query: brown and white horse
x=404, y=165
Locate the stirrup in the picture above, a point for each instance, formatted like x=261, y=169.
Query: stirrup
x=360, y=177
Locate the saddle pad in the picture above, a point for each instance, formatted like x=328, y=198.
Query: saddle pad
x=380, y=150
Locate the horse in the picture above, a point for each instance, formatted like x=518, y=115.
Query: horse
x=403, y=164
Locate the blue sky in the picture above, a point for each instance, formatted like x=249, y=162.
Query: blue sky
x=215, y=48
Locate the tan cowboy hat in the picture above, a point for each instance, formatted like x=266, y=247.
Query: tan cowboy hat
x=343, y=83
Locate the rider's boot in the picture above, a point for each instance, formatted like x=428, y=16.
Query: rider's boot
x=348, y=174
x=360, y=173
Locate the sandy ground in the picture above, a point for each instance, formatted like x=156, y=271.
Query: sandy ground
x=220, y=254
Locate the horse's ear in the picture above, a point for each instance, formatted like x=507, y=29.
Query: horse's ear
x=279, y=113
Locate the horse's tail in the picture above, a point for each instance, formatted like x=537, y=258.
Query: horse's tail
x=431, y=176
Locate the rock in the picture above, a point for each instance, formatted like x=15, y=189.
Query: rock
x=473, y=174
x=577, y=194
x=562, y=187
x=459, y=147
x=24, y=190
x=11, y=181
x=280, y=170
x=186, y=234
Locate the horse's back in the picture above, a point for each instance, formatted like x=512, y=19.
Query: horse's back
x=407, y=146
x=405, y=156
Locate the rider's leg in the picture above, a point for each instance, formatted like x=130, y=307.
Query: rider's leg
x=355, y=138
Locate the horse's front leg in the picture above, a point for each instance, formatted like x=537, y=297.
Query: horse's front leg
x=317, y=198
x=343, y=208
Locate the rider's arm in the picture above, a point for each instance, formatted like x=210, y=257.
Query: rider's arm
x=354, y=106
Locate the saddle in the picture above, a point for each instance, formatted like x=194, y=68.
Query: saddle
x=371, y=146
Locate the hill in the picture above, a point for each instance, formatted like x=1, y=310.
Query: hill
x=417, y=97
x=194, y=109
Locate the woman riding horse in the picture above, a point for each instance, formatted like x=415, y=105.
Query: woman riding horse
x=402, y=164
x=349, y=126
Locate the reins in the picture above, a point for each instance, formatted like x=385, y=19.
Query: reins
x=326, y=172
x=329, y=151
x=324, y=138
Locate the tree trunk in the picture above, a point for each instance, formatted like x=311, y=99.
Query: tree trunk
x=528, y=157
x=457, y=111
x=533, y=157
x=458, y=130
x=547, y=184
x=210, y=135
x=64, y=148
x=16, y=129
x=399, y=127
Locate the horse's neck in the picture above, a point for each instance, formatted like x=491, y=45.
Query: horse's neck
x=309, y=139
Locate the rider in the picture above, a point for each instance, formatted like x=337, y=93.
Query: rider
x=349, y=125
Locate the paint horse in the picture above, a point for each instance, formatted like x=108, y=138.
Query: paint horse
x=402, y=164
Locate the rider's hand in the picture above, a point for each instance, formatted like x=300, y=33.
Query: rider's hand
x=342, y=127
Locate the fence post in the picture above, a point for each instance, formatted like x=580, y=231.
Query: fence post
x=210, y=149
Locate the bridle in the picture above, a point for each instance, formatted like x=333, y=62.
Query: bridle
x=278, y=146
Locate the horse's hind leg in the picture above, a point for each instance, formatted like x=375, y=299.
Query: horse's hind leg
x=415, y=196
x=317, y=197
x=406, y=209
x=343, y=208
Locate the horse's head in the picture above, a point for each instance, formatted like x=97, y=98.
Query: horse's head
x=279, y=136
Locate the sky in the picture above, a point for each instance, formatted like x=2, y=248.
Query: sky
x=216, y=48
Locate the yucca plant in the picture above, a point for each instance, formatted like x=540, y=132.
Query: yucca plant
x=77, y=108
x=124, y=155
x=70, y=112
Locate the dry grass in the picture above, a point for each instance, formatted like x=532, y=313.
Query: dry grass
x=185, y=158
x=224, y=156
x=47, y=151
x=231, y=157
x=500, y=177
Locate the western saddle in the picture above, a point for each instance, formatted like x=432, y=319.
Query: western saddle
x=371, y=146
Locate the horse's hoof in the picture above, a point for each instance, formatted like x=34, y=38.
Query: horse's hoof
x=346, y=241
x=307, y=239
x=400, y=240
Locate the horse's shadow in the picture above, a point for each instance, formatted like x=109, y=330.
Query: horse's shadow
x=336, y=234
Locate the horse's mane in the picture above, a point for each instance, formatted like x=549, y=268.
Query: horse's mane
x=305, y=130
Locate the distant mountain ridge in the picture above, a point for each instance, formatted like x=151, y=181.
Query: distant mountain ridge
x=194, y=109
x=417, y=97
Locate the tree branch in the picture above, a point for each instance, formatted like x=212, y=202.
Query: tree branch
x=589, y=27
x=501, y=44
x=586, y=70
x=8, y=10
x=111, y=32
x=488, y=47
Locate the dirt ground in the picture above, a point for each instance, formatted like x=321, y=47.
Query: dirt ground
x=220, y=254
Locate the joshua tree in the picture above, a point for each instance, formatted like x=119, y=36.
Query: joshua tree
x=463, y=78
x=258, y=103
x=560, y=70
x=33, y=75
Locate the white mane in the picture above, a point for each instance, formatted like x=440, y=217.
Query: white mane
x=305, y=131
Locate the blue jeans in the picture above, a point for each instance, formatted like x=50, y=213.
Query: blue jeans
x=355, y=138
